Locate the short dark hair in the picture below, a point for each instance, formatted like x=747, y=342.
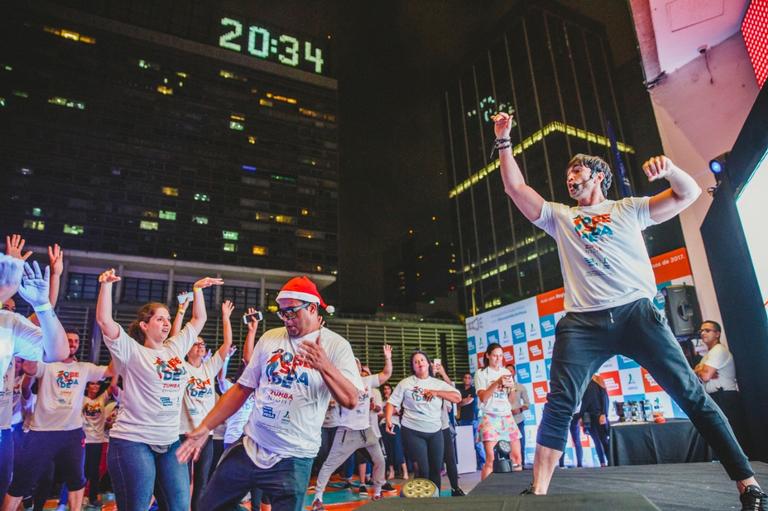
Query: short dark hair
x=714, y=324
x=595, y=164
x=73, y=331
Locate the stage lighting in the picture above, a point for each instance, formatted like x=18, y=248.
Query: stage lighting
x=501, y=462
x=718, y=167
x=419, y=488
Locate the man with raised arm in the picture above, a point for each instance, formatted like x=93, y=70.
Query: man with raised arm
x=609, y=287
x=294, y=372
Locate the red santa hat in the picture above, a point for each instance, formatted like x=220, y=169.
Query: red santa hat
x=301, y=288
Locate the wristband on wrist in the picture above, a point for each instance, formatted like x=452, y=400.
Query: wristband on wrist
x=196, y=289
x=42, y=308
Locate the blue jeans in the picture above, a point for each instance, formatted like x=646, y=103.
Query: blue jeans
x=285, y=483
x=479, y=449
x=637, y=330
x=6, y=460
x=133, y=467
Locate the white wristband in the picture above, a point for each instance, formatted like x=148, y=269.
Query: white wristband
x=42, y=308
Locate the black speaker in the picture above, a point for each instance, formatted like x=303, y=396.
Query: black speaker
x=682, y=308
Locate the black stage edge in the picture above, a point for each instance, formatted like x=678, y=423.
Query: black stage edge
x=581, y=502
x=684, y=486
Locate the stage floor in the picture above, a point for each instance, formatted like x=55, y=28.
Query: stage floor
x=685, y=486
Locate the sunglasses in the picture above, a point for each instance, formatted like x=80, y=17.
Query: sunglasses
x=290, y=313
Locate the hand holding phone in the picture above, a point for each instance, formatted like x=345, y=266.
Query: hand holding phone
x=183, y=297
x=253, y=316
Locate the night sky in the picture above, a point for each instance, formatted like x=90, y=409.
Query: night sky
x=392, y=60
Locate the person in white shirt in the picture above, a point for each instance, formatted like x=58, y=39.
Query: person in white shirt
x=609, y=290
x=421, y=396
x=56, y=433
x=94, y=417
x=144, y=438
x=199, y=398
x=494, y=384
x=294, y=372
x=717, y=372
x=393, y=443
x=355, y=432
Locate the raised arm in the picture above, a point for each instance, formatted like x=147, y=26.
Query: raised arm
x=250, y=337
x=386, y=373
x=199, y=314
x=221, y=376
x=108, y=325
x=34, y=289
x=527, y=200
x=56, y=258
x=226, y=312
x=178, y=319
x=682, y=192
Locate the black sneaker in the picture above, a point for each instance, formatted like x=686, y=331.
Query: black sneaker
x=528, y=491
x=754, y=499
x=457, y=492
x=387, y=487
x=362, y=489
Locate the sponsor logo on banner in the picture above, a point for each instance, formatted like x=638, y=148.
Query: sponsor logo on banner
x=530, y=415
x=480, y=360
x=471, y=345
x=535, y=350
x=538, y=371
x=521, y=353
x=492, y=336
x=631, y=381
x=547, y=325
x=612, y=383
x=518, y=333
x=506, y=338
x=472, y=363
x=540, y=390
x=481, y=345
x=534, y=332
x=626, y=362
x=524, y=373
x=649, y=383
x=549, y=346
x=548, y=366
x=509, y=355
x=609, y=365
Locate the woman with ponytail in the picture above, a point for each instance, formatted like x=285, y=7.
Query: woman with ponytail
x=145, y=435
x=494, y=384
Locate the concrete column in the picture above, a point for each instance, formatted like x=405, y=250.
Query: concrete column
x=119, y=285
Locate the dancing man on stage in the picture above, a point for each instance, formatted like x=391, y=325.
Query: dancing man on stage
x=609, y=287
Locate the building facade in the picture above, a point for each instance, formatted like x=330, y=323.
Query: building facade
x=167, y=139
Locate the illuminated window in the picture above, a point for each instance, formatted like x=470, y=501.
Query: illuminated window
x=2, y=101
x=304, y=212
x=304, y=233
x=230, y=247
x=230, y=235
x=35, y=225
x=167, y=215
x=235, y=125
x=229, y=75
x=265, y=102
x=70, y=34
x=202, y=197
x=26, y=171
x=148, y=226
x=69, y=103
x=201, y=220
x=21, y=94
x=8, y=68
x=284, y=219
x=249, y=168
x=318, y=268
x=165, y=90
x=251, y=138
x=77, y=230
x=284, y=99
x=259, y=250
x=149, y=213
x=170, y=191
x=260, y=215
x=181, y=74
x=37, y=212
x=237, y=117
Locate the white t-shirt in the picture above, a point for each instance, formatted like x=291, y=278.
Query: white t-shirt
x=359, y=417
x=290, y=398
x=395, y=415
x=373, y=416
x=236, y=422
x=18, y=415
x=721, y=359
x=110, y=416
x=332, y=415
x=6, y=397
x=219, y=431
x=603, y=257
x=93, y=418
x=419, y=414
x=153, y=383
x=199, y=394
x=498, y=404
x=60, y=394
x=18, y=337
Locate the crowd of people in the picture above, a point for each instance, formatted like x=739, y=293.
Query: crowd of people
x=178, y=433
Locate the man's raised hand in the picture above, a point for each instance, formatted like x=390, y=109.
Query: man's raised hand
x=502, y=124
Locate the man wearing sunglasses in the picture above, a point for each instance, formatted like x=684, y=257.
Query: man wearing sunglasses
x=294, y=372
x=718, y=374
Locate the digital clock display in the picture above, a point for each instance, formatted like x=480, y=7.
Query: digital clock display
x=270, y=44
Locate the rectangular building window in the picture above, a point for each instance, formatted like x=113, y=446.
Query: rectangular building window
x=167, y=215
x=201, y=220
x=285, y=219
x=148, y=226
x=35, y=225
x=170, y=191
x=230, y=235
x=202, y=197
x=230, y=247
x=259, y=250
x=37, y=212
x=77, y=230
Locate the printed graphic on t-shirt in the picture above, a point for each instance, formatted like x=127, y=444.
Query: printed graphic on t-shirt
x=199, y=388
x=170, y=370
x=281, y=369
x=66, y=379
x=92, y=410
x=593, y=228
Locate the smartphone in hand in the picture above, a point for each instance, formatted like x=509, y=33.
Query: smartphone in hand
x=254, y=316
